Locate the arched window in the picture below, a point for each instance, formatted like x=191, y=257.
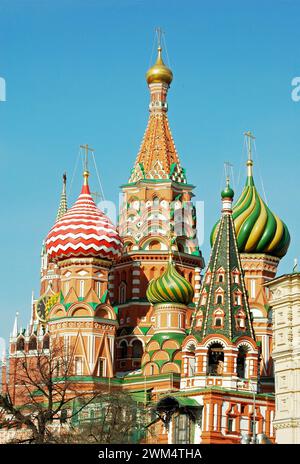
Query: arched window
x=155, y=202
x=32, y=343
x=218, y=320
x=20, y=344
x=46, y=342
x=191, y=360
x=123, y=346
x=203, y=298
x=137, y=349
x=215, y=359
x=237, y=299
x=231, y=420
x=220, y=274
x=219, y=296
x=154, y=245
x=240, y=320
x=219, y=299
x=241, y=362
x=199, y=320
x=236, y=276
x=122, y=293
x=208, y=276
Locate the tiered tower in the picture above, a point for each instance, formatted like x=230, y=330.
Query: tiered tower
x=262, y=239
x=83, y=244
x=156, y=201
x=224, y=347
x=218, y=357
x=50, y=276
x=170, y=294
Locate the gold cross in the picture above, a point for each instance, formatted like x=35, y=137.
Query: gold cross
x=159, y=33
x=249, y=139
x=86, y=154
x=227, y=168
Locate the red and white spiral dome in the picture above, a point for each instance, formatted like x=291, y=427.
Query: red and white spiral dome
x=83, y=231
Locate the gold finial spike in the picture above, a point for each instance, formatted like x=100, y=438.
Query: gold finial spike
x=85, y=163
x=249, y=138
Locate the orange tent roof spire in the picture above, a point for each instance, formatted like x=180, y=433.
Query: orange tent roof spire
x=157, y=158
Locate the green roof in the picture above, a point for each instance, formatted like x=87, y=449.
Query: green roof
x=185, y=401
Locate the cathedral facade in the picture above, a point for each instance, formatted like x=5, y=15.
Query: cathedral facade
x=131, y=305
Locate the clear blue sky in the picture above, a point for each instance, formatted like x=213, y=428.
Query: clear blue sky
x=75, y=74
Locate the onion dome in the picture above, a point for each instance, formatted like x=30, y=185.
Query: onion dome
x=159, y=72
x=83, y=230
x=170, y=287
x=258, y=229
x=227, y=192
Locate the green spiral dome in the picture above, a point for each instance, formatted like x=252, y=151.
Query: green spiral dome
x=258, y=229
x=170, y=287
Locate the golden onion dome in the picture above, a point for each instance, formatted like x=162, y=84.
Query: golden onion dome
x=159, y=72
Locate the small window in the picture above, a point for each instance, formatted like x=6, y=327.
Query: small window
x=101, y=367
x=78, y=365
x=99, y=289
x=20, y=344
x=218, y=322
x=218, y=318
x=137, y=349
x=122, y=293
x=203, y=299
x=155, y=202
x=219, y=299
x=81, y=289
x=191, y=366
x=32, y=344
x=46, y=342
x=199, y=321
x=230, y=424
x=221, y=278
x=123, y=346
x=237, y=300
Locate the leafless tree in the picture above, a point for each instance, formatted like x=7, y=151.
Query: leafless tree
x=40, y=395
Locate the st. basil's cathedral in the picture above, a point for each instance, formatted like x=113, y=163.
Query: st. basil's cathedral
x=133, y=306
